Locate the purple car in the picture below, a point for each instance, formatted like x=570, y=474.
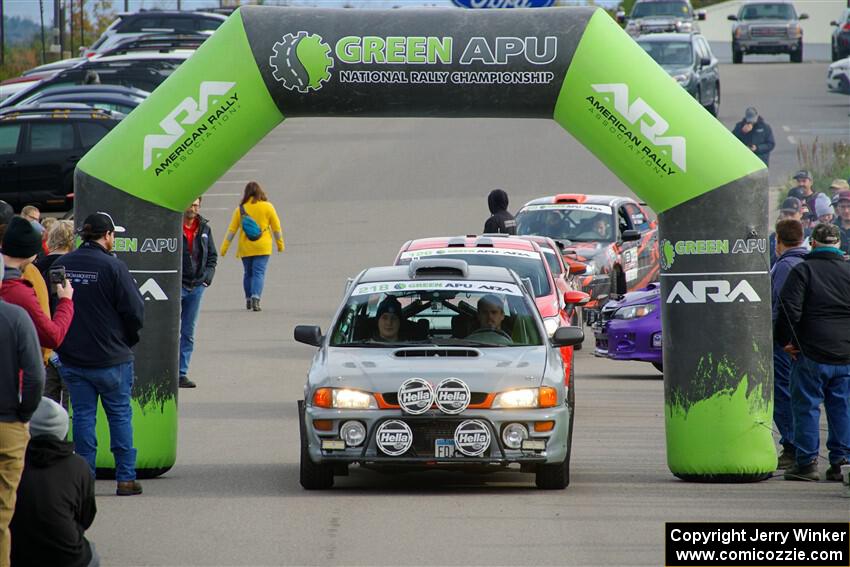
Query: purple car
x=630, y=327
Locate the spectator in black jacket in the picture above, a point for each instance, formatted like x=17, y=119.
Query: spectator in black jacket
x=55, y=498
x=199, y=261
x=500, y=221
x=813, y=323
x=21, y=384
x=96, y=360
x=756, y=134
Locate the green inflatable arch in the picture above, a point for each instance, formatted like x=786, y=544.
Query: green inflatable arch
x=572, y=65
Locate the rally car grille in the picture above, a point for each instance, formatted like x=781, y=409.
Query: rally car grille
x=475, y=398
x=426, y=433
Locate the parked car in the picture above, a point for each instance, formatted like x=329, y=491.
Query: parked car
x=630, y=327
x=53, y=67
x=15, y=85
x=109, y=97
x=659, y=16
x=687, y=57
x=144, y=71
x=767, y=28
x=613, y=236
x=132, y=25
x=430, y=397
x=838, y=76
x=841, y=36
x=40, y=147
x=163, y=43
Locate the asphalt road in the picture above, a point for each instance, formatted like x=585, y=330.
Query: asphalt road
x=349, y=192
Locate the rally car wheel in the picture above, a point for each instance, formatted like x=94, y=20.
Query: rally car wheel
x=557, y=477
x=313, y=476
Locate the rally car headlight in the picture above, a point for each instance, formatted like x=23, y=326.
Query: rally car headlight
x=544, y=397
x=634, y=311
x=589, y=270
x=741, y=31
x=551, y=324
x=684, y=26
x=795, y=30
x=341, y=398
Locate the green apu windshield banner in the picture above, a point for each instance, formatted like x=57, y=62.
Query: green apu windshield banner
x=573, y=65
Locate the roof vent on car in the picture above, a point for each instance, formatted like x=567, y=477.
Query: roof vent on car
x=456, y=242
x=484, y=242
x=431, y=267
x=570, y=198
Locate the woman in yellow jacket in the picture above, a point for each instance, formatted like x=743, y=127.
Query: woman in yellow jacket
x=254, y=253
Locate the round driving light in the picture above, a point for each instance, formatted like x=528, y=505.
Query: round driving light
x=353, y=433
x=513, y=435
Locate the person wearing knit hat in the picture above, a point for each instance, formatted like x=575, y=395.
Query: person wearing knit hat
x=21, y=244
x=49, y=525
x=812, y=328
x=823, y=209
x=389, y=319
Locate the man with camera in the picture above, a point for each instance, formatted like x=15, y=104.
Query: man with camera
x=21, y=245
x=96, y=357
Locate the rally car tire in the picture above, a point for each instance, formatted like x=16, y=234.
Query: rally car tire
x=311, y=475
x=557, y=477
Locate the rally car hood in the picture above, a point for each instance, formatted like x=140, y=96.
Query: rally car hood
x=483, y=369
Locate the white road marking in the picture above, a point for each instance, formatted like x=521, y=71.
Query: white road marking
x=792, y=140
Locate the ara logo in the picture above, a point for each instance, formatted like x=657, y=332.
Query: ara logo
x=713, y=291
x=301, y=62
x=192, y=111
x=652, y=125
x=150, y=287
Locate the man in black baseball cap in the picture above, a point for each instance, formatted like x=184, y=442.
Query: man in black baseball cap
x=756, y=134
x=792, y=208
x=812, y=324
x=97, y=357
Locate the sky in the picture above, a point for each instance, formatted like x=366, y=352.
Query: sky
x=29, y=9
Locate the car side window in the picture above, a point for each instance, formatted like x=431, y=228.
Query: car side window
x=208, y=24
x=139, y=24
x=91, y=133
x=639, y=220
x=9, y=134
x=180, y=25
x=51, y=136
x=623, y=219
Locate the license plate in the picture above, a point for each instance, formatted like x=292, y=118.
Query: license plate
x=444, y=448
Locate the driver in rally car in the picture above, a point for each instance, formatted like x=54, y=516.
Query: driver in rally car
x=490, y=318
x=389, y=320
x=602, y=227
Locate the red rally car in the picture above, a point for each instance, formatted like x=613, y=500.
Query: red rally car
x=614, y=237
x=555, y=297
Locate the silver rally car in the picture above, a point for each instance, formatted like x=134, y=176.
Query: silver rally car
x=437, y=364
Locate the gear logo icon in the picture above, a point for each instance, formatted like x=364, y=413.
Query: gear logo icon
x=301, y=62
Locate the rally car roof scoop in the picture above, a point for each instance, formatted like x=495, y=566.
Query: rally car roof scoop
x=431, y=267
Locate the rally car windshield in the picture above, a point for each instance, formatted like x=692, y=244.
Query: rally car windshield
x=526, y=263
x=577, y=223
x=440, y=313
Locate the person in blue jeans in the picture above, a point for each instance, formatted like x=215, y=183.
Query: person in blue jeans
x=254, y=253
x=813, y=325
x=790, y=252
x=199, y=262
x=96, y=355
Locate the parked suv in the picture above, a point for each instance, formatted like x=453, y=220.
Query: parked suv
x=40, y=147
x=841, y=36
x=657, y=16
x=767, y=28
x=147, y=22
x=687, y=58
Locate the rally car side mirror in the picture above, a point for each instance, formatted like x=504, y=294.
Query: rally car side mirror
x=630, y=235
x=567, y=336
x=575, y=297
x=309, y=335
x=578, y=269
